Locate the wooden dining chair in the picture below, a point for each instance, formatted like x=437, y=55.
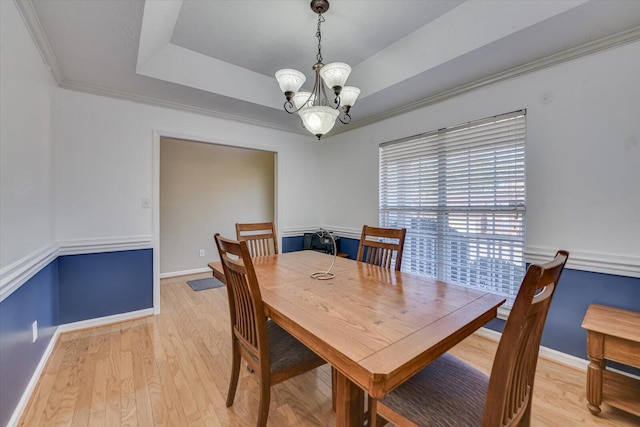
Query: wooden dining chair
x=380, y=246
x=261, y=237
x=450, y=392
x=267, y=348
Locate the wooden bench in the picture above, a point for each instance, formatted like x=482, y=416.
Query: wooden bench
x=612, y=334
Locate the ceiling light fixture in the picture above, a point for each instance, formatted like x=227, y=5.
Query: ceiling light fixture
x=317, y=110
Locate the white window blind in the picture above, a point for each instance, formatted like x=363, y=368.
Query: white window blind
x=460, y=193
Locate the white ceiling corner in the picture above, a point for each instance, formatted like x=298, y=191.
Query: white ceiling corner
x=160, y=59
x=158, y=23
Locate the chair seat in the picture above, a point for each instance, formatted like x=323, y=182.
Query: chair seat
x=448, y=392
x=285, y=351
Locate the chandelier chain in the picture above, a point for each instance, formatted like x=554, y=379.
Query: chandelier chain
x=319, y=36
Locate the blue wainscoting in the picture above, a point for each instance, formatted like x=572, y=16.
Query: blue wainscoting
x=37, y=299
x=296, y=243
x=576, y=291
x=292, y=244
x=104, y=284
x=69, y=289
x=349, y=246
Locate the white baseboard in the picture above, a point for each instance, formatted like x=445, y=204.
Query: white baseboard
x=22, y=404
x=91, y=323
x=553, y=355
x=185, y=272
x=545, y=352
x=101, y=321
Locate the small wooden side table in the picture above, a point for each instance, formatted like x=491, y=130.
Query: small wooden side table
x=612, y=334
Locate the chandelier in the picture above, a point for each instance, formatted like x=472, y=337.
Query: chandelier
x=317, y=110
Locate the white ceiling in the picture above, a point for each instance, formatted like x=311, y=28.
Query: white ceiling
x=219, y=57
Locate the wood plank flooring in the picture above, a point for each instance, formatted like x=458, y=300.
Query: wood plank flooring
x=173, y=370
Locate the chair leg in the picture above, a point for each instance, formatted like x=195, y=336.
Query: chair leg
x=265, y=400
x=525, y=421
x=235, y=372
x=334, y=388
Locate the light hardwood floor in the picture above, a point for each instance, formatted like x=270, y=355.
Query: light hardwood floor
x=173, y=369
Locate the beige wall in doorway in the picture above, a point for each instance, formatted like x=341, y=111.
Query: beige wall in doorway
x=205, y=189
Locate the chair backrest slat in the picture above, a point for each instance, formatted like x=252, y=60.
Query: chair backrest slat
x=381, y=246
x=248, y=321
x=512, y=376
x=261, y=238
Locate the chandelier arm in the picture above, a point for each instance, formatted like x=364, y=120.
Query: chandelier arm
x=289, y=107
x=344, y=118
x=324, y=99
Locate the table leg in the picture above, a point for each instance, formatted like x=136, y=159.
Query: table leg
x=349, y=403
x=594, y=384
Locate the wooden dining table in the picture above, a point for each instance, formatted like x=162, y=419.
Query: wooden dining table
x=376, y=327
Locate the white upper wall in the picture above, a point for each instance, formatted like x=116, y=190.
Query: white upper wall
x=582, y=154
x=104, y=164
x=26, y=85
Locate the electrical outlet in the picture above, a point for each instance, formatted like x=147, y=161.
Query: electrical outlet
x=34, y=330
x=201, y=252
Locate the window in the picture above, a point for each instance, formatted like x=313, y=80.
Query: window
x=460, y=193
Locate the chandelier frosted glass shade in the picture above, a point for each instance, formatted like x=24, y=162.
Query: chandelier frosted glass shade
x=319, y=108
x=349, y=95
x=319, y=119
x=290, y=81
x=335, y=75
x=303, y=99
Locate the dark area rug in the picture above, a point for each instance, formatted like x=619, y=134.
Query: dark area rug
x=202, y=284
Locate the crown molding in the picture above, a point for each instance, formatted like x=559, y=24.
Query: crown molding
x=608, y=42
x=148, y=100
x=34, y=26
x=32, y=22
